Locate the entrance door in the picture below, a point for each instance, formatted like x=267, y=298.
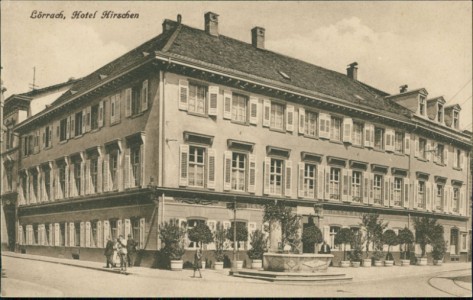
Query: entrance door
x=454, y=241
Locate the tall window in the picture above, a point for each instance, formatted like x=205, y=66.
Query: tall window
x=94, y=111
x=238, y=171
x=114, y=156
x=310, y=124
x=47, y=136
x=93, y=233
x=136, y=100
x=77, y=234
x=379, y=138
x=310, y=178
x=456, y=199
x=191, y=224
x=196, y=166
x=135, y=225
x=197, y=99
x=439, y=197
x=333, y=232
x=440, y=113
x=34, y=179
x=78, y=125
x=277, y=116
x=422, y=105
x=357, y=136
x=422, y=148
x=62, y=177
x=275, y=176
x=63, y=129
x=135, y=157
x=421, y=195
x=378, y=189
x=457, y=162
x=47, y=182
x=399, y=142
x=356, y=186
x=439, y=154
x=114, y=229
x=9, y=172
x=35, y=235
x=336, y=129
x=46, y=238
x=77, y=176
x=456, y=118
x=93, y=173
x=334, y=183
x=239, y=108
x=397, y=192
x=24, y=187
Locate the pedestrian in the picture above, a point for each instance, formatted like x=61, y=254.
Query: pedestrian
x=325, y=249
x=197, y=262
x=109, y=252
x=131, y=251
x=121, y=249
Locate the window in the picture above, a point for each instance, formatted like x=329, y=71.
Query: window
x=47, y=136
x=239, y=108
x=135, y=157
x=422, y=148
x=238, y=171
x=336, y=129
x=77, y=176
x=399, y=142
x=457, y=163
x=77, y=234
x=422, y=106
x=62, y=233
x=241, y=244
x=357, y=135
x=310, y=180
x=275, y=176
x=333, y=232
x=115, y=108
x=456, y=117
x=439, y=197
x=62, y=178
x=136, y=100
x=378, y=189
x=94, y=117
x=47, y=241
x=439, y=154
x=440, y=113
x=196, y=166
x=191, y=224
x=93, y=174
x=310, y=124
x=379, y=138
x=34, y=179
x=93, y=235
x=421, y=195
x=456, y=199
x=63, y=129
x=35, y=235
x=78, y=125
x=24, y=187
x=277, y=116
x=335, y=183
x=9, y=172
x=114, y=229
x=197, y=99
x=135, y=225
x=113, y=162
x=397, y=192
x=47, y=182
x=356, y=186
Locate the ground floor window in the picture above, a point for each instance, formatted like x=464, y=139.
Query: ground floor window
x=94, y=233
x=62, y=232
x=333, y=232
x=397, y=192
x=378, y=189
x=77, y=234
x=135, y=223
x=191, y=223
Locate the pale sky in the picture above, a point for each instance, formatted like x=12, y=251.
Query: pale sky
x=422, y=44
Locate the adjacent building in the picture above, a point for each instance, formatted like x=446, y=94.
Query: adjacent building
x=192, y=120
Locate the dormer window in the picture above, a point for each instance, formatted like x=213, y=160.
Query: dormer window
x=422, y=105
x=456, y=117
x=440, y=113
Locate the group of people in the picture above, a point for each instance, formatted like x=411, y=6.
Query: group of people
x=121, y=252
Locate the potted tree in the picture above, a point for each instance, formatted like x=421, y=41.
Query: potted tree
x=201, y=235
x=390, y=238
x=311, y=237
x=173, y=235
x=241, y=236
x=220, y=236
x=258, y=242
x=344, y=237
x=289, y=222
x=439, y=245
x=424, y=231
x=356, y=253
x=373, y=227
x=405, y=238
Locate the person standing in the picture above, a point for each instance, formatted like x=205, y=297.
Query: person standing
x=121, y=248
x=109, y=252
x=131, y=251
x=325, y=249
x=197, y=262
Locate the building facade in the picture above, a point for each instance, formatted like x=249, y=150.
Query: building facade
x=192, y=120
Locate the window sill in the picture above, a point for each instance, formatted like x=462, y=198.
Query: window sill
x=137, y=115
x=116, y=123
x=197, y=114
x=240, y=123
x=78, y=136
x=457, y=169
x=336, y=142
x=310, y=136
x=422, y=159
x=379, y=150
x=63, y=142
x=399, y=153
x=357, y=146
x=277, y=130
x=94, y=130
x=440, y=164
x=47, y=148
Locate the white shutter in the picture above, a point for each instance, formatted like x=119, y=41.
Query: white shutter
x=386, y=190
x=183, y=94
x=101, y=113
x=72, y=235
x=253, y=110
x=416, y=194
x=251, y=230
x=327, y=183
x=324, y=125
x=72, y=185
x=447, y=203
x=365, y=183
x=106, y=173
x=212, y=101
x=20, y=237
x=82, y=178
x=211, y=168
x=106, y=232
x=212, y=224
x=445, y=155
x=416, y=149
x=87, y=234
x=118, y=101
x=88, y=181
x=301, y=120
x=300, y=181
x=371, y=188
x=227, y=170
x=252, y=173
x=56, y=234
x=99, y=235
x=68, y=127
x=288, y=179
x=391, y=191
x=99, y=187
x=290, y=118
x=267, y=167
x=344, y=184
x=84, y=120
x=144, y=95
x=406, y=195
x=367, y=139
x=113, y=108
x=184, y=161
x=461, y=206
x=407, y=143
x=128, y=228
x=266, y=113
x=88, y=118
x=128, y=102
x=428, y=194
x=142, y=233
x=82, y=234
x=127, y=170
x=227, y=105
x=347, y=129
x=427, y=150
x=119, y=228
x=390, y=137
x=320, y=183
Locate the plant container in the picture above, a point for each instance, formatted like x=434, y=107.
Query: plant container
x=378, y=263
x=367, y=262
x=438, y=262
x=422, y=261
x=176, y=265
x=345, y=263
x=405, y=262
x=218, y=265
x=389, y=263
x=257, y=264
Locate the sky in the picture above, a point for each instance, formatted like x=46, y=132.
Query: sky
x=421, y=44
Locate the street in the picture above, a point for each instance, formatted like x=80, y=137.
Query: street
x=21, y=277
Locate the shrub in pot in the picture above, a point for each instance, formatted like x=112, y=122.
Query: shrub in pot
x=173, y=235
x=201, y=235
x=312, y=237
x=220, y=236
x=390, y=238
x=280, y=213
x=378, y=255
x=344, y=237
x=439, y=245
x=258, y=242
x=241, y=236
x=356, y=253
x=425, y=233
x=405, y=239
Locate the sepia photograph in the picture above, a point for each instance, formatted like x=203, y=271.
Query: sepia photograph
x=236, y=149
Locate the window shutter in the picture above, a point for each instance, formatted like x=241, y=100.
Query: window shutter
x=43, y=138
x=68, y=127
x=128, y=102
x=366, y=187
x=288, y=188
x=118, y=101
x=99, y=187
x=212, y=101
x=371, y=191
x=84, y=120
x=118, y=184
x=119, y=228
x=251, y=230
x=434, y=154
x=267, y=167
x=101, y=113
x=128, y=228
x=445, y=155
x=227, y=180
x=461, y=204
x=428, y=202
x=427, y=149
x=71, y=241
x=82, y=234
x=406, y=197
x=320, y=183
x=252, y=176
x=211, y=168
x=56, y=234
x=142, y=233
x=87, y=234
x=212, y=224
x=324, y=125
x=327, y=182
x=266, y=112
x=82, y=178
x=300, y=181
x=227, y=105
x=144, y=96
x=407, y=143
x=106, y=231
x=416, y=140
x=127, y=169
x=184, y=161
x=344, y=184
x=301, y=120
x=290, y=118
x=391, y=191
x=253, y=110
x=20, y=237
x=99, y=235
x=113, y=108
x=390, y=137
x=367, y=142
x=183, y=94
x=415, y=192
x=447, y=203
x=88, y=119
x=106, y=174
x=347, y=129
x=386, y=190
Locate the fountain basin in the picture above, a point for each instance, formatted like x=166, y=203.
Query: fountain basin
x=288, y=262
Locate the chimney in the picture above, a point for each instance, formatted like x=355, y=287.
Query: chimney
x=168, y=25
x=352, y=71
x=257, y=37
x=403, y=88
x=211, y=23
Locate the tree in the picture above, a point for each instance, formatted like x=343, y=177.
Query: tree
x=425, y=231
x=311, y=235
x=356, y=252
x=289, y=222
x=200, y=234
x=406, y=238
x=172, y=235
x=220, y=236
x=241, y=234
x=439, y=245
x=258, y=242
x=344, y=236
x=390, y=238
x=374, y=228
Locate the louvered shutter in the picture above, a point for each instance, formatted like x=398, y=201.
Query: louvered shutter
x=391, y=134
x=127, y=170
x=344, y=184
x=266, y=112
x=184, y=161
x=144, y=95
x=57, y=231
x=288, y=178
x=212, y=224
x=429, y=200
x=301, y=120
x=290, y=118
x=87, y=234
x=72, y=185
x=128, y=228
x=367, y=140
x=446, y=205
x=20, y=237
x=118, y=184
x=366, y=187
x=71, y=242
x=213, y=100
x=43, y=137
x=406, y=196
x=428, y=148
x=82, y=178
x=324, y=126
x=267, y=167
x=252, y=173
x=99, y=235
x=82, y=234
x=183, y=94
x=119, y=228
x=300, y=181
x=327, y=183
x=227, y=173
x=227, y=105
x=88, y=118
x=391, y=191
x=99, y=187
x=118, y=100
x=128, y=97
x=445, y=155
x=106, y=232
x=347, y=129
x=211, y=168
x=416, y=143
x=66, y=182
x=100, y=114
x=386, y=190
x=142, y=233
x=371, y=191
x=461, y=206
x=320, y=183
x=88, y=180
x=416, y=194
x=68, y=127
x=253, y=110
x=106, y=173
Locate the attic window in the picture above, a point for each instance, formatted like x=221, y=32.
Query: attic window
x=422, y=105
x=455, y=119
x=440, y=113
x=284, y=75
